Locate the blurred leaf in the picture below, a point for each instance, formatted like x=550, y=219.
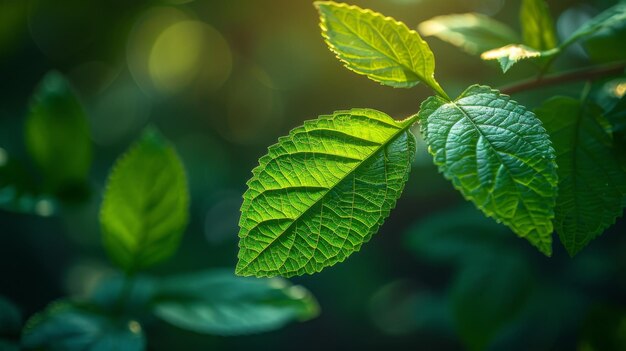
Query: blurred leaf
x=607, y=45
x=455, y=236
x=610, y=18
x=497, y=154
x=509, y=55
x=217, y=302
x=139, y=292
x=617, y=115
x=472, y=32
x=379, y=47
x=592, y=185
x=145, y=206
x=323, y=191
x=604, y=329
x=57, y=134
x=10, y=325
x=19, y=193
x=487, y=295
x=537, y=25
x=65, y=326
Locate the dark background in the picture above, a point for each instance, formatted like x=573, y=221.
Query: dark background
x=261, y=69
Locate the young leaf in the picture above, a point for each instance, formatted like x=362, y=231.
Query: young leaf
x=379, y=47
x=144, y=211
x=499, y=156
x=216, y=302
x=611, y=17
x=68, y=327
x=509, y=55
x=57, y=134
x=537, y=25
x=322, y=191
x=472, y=32
x=592, y=185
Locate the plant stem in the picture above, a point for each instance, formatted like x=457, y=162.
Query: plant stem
x=588, y=74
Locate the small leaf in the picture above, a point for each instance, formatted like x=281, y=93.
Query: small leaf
x=323, y=191
x=537, y=25
x=144, y=211
x=472, y=32
x=57, y=134
x=592, y=185
x=509, y=55
x=608, y=19
x=497, y=154
x=488, y=295
x=217, y=302
x=379, y=47
x=65, y=326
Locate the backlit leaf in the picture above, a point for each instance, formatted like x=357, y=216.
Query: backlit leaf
x=217, y=302
x=610, y=18
x=509, y=55
x=498, y=155
x=322, y=191
x=473, y=32
x=537, y=25
x=379, y=47
x=592, y=185
x=144, y=211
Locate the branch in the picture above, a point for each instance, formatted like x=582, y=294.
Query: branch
x=588, y=74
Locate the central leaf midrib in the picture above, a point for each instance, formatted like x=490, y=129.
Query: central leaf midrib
x=354, y=169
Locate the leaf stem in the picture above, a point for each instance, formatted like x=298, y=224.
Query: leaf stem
x=589, y=74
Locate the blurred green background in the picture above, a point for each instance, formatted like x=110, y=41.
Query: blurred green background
x=223, y=80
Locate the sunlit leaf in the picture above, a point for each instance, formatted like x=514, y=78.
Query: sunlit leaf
x=379, y=47
x=64, y=326
x=323, y=191
x=472, y=32
x=498, y=155
x=537, y=25
x=509, y=55
x=144, y=211
x=217, y=302
x=57, y=134
x=487, y=295
x=592, y=185
x=611, y=17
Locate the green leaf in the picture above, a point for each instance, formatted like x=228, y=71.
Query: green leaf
x=472, y=32
x=488, y=295
x=608, y=19
x=57, y=134
x=323, y=191
x=217, y=302
x=498, y=155
x=145, y=206
x=379, y=47
x=592, y=185
x=455, y=236
x=509, y=55
x=537, y=25
x=65, y=326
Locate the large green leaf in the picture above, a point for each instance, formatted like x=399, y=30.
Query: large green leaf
x=592, y=185
x=537, y=25
x=322, y=191
x=217, y=302
x=383, y=49
x=472, y=32
x=610, y=18
x=144, y=211
x=57, y=134
x=499, y=156
x=65, y=326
